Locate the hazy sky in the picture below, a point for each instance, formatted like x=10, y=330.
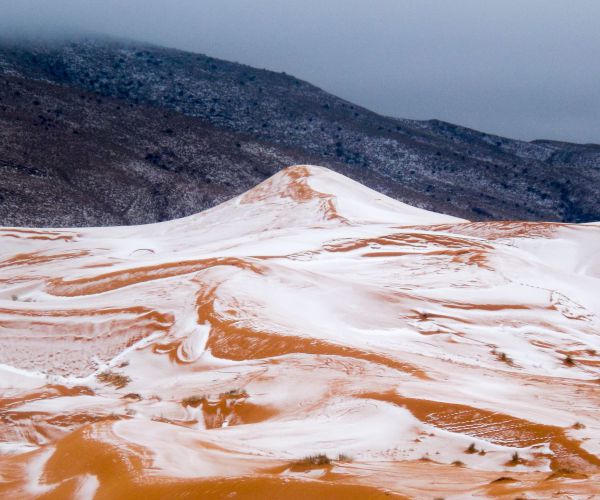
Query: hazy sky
x=520, y=68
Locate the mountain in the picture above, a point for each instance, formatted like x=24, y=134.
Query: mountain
x=71, y=157
x=310, y=338
x=153, y=118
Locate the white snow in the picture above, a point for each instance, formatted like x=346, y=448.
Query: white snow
x=312, y=294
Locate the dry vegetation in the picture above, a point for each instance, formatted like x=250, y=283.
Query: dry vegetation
x=112, y=378
x=133, y=396
x=471, y=449
x=234, y=393
x=193, y=401
x=515, y=459
x=317, y=460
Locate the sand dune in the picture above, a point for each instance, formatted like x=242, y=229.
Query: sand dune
x=310, y=338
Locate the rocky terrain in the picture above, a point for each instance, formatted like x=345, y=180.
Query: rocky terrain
x=73, y=158
x=310, y=338
x=155, y=133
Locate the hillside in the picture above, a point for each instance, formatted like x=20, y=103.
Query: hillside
x=71, y=158
x=432, y=164
x=310, y=338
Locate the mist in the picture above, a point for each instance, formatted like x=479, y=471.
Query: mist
x=528, y=69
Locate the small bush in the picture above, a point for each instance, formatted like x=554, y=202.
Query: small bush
x=578, y=425
x=342, y=457
x=569, y=361
x=193, y=401
x=314, y=460
x=515, y=459
x=132, y=395
x=502, y=356
x=458, y=463
x=112, y=378
x=471, y=448
x=234, y=393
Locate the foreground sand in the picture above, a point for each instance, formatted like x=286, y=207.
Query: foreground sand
x=410, y=354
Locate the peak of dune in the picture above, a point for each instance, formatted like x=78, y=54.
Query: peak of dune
x=304, y=195
x=310, y=337
x=340, y=197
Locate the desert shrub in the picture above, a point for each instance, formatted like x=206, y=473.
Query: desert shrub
x=112, y=378
x=314, y=460
x=192, y=401
x=515, y=459
x=234, y=393
x=502, y=356
x=132, y=395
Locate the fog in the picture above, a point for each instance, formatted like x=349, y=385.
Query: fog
x=520, y=68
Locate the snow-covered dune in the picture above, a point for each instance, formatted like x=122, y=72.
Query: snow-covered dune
x=310, y=338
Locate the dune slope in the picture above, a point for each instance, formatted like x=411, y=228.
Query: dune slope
x=309, y=338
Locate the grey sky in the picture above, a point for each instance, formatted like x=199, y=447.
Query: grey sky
x=520, y=68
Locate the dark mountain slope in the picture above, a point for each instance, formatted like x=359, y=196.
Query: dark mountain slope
x=69, y=157
x=433, y=164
